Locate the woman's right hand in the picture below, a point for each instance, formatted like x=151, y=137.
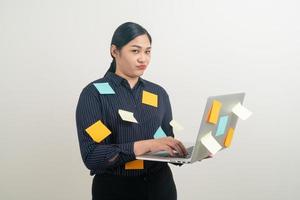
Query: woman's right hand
x=168, y=144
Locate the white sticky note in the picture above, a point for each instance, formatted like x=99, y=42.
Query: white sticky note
x=176, y=125
x=127, y=116
x=211, y=143
x=241, y=111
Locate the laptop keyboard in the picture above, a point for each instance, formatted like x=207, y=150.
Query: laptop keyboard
x=166, y=154
x=189, y=153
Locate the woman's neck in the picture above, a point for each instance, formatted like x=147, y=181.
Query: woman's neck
x=131, y=80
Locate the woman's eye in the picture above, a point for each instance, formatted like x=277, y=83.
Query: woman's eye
x=148, y=52
x=135, y=51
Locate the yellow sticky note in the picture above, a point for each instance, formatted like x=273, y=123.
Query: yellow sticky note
x=213, y=114
x=150, y=98
x=228, y=138
x=98, y=131
x=136, y=164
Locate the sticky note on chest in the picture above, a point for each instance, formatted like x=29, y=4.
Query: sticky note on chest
x=149, y=98
x=98, y=131
x=136, y=164
x=213, y=114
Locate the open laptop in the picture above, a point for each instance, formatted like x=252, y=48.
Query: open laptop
x=197, y=151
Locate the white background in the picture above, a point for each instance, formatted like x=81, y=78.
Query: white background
x=49, y=50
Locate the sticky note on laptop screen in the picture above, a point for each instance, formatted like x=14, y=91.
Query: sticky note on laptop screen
x=222, y=125
x=213, y=114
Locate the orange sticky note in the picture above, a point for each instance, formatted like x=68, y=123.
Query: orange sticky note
x=229, y=137
x=98, y=131
x=136, y=164
x=149, y=98
x=213, y=114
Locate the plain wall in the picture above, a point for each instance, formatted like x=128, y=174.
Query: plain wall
x=49, y=50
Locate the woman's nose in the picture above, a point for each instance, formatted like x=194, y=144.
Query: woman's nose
x=142, y=58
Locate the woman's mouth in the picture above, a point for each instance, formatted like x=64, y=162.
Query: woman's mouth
x=142, y=66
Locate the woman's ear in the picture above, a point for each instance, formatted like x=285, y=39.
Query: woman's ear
x=114, y=51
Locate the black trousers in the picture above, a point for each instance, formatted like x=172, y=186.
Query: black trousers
x=158, y=186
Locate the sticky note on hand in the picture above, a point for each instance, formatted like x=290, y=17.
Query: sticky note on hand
x=241, y=111
x=136, y=164
x=210, y=143
x=98, y=131
x=127, y=116
x=149, y=98
x=159, y=133
x=213, y=114
x=104, y=88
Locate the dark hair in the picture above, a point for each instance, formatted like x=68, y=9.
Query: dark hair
x=123, y=35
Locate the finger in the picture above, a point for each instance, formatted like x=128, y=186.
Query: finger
x=182, y=147
x=169, y=150
x=174, y=145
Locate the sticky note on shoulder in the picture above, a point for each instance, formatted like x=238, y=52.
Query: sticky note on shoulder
x=211, y=144
x=104, y=88
x=136, y=164
x=159, y=133
x=241, y=111
x=149, y=98
x=213, y=114
x=98, y=131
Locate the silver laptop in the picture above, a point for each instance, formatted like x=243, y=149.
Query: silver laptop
x=197, y=151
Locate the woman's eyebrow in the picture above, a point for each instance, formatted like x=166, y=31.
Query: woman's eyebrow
x=137, y=46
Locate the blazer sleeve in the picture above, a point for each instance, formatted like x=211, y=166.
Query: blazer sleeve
x=167, y=118
x=98, y=154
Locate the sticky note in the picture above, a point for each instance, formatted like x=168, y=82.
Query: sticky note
x=229, y=137
x=104, y=88
x=136, y=164
x=241, y=111
x=176, y=125
x=210, y=143
x=98, y=131
x=149, y=98
x=213, y=114
x=222, y=125
x=127, y=116
x=159, y=133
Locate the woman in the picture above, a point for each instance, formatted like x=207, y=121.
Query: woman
x=121, y=116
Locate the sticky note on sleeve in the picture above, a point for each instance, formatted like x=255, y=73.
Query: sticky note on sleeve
x=176, y=125
x=136, y=164
x=210, y=143
x=98, y=131
x=149, y=98
x=104, y=88
x=229, y=137
x=213, y=114
x=241, y=111
x=159, y=133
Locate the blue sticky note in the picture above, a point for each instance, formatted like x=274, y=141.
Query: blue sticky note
x=159, y=133
x=104, y=88
x=222, y=125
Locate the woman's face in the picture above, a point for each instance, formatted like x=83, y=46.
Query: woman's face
x=133, y=59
